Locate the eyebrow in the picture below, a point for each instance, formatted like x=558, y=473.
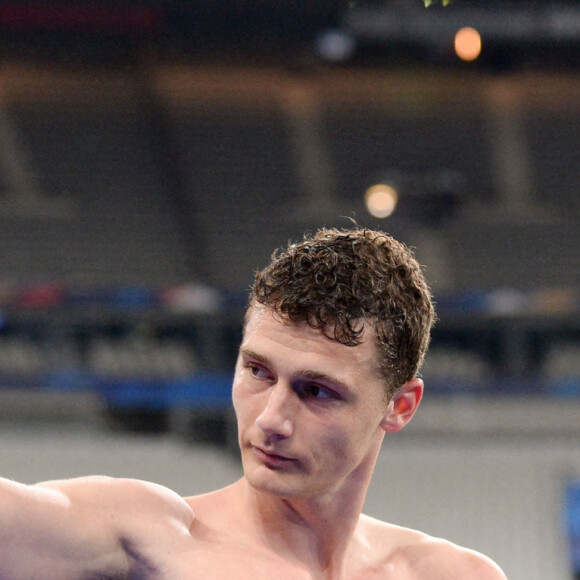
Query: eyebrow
x=306, y=373
x=250, y=353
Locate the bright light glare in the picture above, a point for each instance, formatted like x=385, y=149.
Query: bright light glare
x=335, y=46
x=381, y=200
x=467, y=44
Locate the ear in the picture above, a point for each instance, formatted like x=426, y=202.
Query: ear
x=402, y=406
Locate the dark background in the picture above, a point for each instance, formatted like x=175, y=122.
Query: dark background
x=154, y=154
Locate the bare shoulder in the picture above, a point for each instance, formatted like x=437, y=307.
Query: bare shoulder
x=418, y=556
x=122, y=496
x=218, y=506
x=89, y=527
x=441, y=558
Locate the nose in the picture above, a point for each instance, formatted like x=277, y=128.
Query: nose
x=275, y=420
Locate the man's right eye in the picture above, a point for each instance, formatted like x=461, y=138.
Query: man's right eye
x=257, y=371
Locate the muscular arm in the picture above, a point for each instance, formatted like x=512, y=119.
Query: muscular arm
x=80, y=528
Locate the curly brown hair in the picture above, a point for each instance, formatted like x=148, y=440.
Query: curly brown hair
x=338, y=279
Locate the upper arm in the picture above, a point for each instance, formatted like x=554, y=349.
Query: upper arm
x=65, y=529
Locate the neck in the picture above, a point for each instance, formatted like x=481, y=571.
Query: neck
x=315, y=532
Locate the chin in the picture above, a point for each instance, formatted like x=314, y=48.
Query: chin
x=271, y=481
x=275, y=489
x=279, y=484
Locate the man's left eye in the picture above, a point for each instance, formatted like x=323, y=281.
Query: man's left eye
x=320, y=392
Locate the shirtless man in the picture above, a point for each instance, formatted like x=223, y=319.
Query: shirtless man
x=334, y=335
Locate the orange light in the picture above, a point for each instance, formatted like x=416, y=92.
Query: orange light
x=381, y=200
x=467, y=44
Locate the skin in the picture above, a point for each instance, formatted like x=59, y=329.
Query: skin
x=312, y=418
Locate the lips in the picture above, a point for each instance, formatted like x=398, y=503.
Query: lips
x=269, y=457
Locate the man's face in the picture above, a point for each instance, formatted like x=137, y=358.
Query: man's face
x=309, y=409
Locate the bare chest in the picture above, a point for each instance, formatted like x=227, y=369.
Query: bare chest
x=220, y=562
x=236, y=563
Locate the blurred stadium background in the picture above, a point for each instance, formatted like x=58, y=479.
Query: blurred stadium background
x=154, y=153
